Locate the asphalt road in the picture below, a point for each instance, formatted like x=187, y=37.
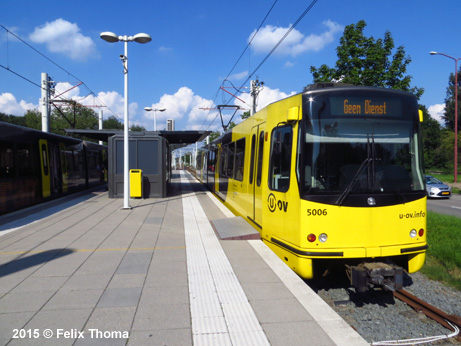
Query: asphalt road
x=450, y=206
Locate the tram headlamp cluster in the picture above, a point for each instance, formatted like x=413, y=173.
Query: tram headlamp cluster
x=322, y=238
x=414, y=233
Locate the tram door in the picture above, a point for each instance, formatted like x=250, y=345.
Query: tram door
x=255, y=176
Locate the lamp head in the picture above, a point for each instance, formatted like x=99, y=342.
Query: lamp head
x=109, y=37
x=142, y=38
x=433, y=53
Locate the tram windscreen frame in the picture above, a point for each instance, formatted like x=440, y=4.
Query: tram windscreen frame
x=359, y=141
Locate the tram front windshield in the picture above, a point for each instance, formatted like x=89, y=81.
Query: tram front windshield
x=359, y=142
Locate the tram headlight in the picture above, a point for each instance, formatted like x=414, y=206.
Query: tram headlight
x=323, y=238
x=413, y=233
x=421, y=232
x=311, y=238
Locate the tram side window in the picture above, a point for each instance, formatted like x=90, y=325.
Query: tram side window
x=230, y=160
x=223, y=160
x=6, y=160
x=25, y=160
x=260, y=158
x=239, y=159
x=280, y=158
x=252, y=157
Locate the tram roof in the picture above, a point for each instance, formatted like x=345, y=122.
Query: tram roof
x=15, y=132
x=173, y=137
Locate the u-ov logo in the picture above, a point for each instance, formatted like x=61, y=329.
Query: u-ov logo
x=273, y=204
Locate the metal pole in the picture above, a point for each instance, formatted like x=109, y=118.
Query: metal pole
x=455, y=173
x=126, y=142
x=456, y=120
x=45, y=101
x=155, y=119
x=100, y=122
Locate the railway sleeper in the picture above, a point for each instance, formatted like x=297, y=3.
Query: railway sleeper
x=375, y=274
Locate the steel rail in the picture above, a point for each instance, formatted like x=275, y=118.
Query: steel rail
x=429, y=310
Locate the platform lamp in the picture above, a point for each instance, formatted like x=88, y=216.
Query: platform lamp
x=112, y=38
x=155, y=110
x=456, y=112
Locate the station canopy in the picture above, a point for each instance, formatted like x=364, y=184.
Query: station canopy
x=173, y=137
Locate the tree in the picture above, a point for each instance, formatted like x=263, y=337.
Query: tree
x=214, y=135
x=449, y=115
x=33, y=119
x=365, y=61
x=431, y=134
x=245, y=115
x=112, y=123
x=138, y=128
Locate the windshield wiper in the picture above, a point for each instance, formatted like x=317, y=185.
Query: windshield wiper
x=354, y=180
x=371, y=158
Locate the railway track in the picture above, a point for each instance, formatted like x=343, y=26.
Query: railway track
x=452, y=322
x=399, y=318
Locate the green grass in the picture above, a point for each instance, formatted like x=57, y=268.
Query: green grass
x=443, y=258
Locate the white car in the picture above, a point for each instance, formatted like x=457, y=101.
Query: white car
x=436, y=189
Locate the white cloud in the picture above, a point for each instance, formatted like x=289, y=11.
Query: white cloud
x=183, y=104
x=436, y=112
x=238, y=76
x=61, y=36
x=295, y=43
x=9, y=105
x=112, y=100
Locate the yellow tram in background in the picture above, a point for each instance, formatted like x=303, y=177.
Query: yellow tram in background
x=328, y=176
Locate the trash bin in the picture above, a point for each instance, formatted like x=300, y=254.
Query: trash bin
x=136, y=183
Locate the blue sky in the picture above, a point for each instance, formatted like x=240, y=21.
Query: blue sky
x=195, y=45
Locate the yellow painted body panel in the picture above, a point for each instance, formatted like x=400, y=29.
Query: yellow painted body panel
x=45, y=167
x=287, y=220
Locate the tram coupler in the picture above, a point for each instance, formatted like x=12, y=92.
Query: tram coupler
x=375, y=274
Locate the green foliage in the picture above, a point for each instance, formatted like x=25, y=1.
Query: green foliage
x=449, y=115
x=137, y=128
x=214, y=135
x=365, y=61
x=112, y=123
x=73, y=117
x=245, y=115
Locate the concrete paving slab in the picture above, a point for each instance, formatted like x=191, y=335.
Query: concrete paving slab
x=165, y=316
x=40, y=284
x=81, y=299
x=163, y=337
x=86, y=282
x=24, y=302
x=120, y=297
x=11, y=321
x=127, y=280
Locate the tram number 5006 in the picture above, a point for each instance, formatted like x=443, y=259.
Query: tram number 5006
x=317, y=212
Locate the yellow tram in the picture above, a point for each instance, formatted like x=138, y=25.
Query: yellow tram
x=331, y=175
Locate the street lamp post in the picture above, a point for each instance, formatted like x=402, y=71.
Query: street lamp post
x=112, y=38
x=155, y=110
x=456, y=111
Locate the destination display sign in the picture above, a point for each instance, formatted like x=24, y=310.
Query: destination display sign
x=365, y=106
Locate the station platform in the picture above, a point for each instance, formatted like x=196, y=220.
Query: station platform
x=84, y=271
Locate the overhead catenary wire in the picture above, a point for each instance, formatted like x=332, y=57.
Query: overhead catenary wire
x=238, y=60
x=306, y=11
x=54, y=63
